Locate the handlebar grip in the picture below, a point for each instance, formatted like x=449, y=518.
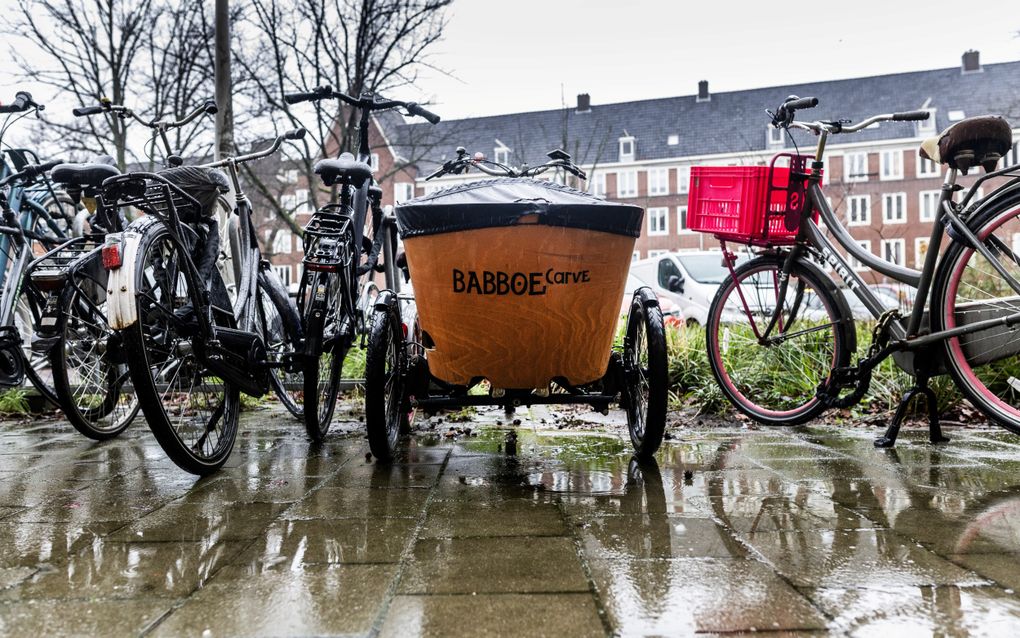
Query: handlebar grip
x=22, y=100
x=415, y=109
x=87, y=110
x=210, y=107
x=911, y=116
x=801, y=103
x=296, y=134
x=294, y=98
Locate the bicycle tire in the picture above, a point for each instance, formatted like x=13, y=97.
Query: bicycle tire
x=647, y=373
x=325, y=351
x=158, y=344
x=384, y=367
x=280, y=327
x=962, y=285
x=90, y=373
x=731, y=343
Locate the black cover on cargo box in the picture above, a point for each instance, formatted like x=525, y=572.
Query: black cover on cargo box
x=502, y=201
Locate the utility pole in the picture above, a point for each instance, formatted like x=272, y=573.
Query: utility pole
x=225, y=114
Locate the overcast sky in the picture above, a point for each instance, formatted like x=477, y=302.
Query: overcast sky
x=521, y=55
x=527, y=55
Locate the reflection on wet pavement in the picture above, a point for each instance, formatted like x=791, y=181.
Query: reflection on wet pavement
x=807, y=530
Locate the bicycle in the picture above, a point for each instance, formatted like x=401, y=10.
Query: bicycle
x=780, y=335
x=35, y=215
x=192, y=348
x=328, y=293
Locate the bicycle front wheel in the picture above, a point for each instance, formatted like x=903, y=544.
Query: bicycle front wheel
x=772, y=375
x=326, y=345
x=969, y=288
x=192, y=413
x=280, y=327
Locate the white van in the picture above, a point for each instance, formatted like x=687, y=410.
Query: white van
x=690, y=279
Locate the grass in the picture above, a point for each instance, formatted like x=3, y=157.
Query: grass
x=13, y=402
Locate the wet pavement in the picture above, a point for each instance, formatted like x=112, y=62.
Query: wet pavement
x=801, y=531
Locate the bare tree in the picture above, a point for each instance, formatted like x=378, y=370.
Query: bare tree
x=125, y=50
x=351, y=45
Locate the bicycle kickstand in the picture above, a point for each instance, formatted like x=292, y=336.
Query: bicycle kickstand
x=920, y=388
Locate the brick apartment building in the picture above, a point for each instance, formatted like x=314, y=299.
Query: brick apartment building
x=641, y=152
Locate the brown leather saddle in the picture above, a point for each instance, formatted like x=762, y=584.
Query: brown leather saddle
x=975, y=141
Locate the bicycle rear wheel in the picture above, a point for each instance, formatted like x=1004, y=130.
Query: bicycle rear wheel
x=278, y=324
x=192, y=413
x=326, y=346
x=90, y=371
x=774, y=379
x=385, y=363
x=986, y=364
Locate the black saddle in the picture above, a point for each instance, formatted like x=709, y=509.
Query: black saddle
x=86, y=175
x=343, y=170
x=204, y=184
x=975, y=141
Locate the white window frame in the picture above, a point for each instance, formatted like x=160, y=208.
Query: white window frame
x=927, y=168
x=283, y=241
x=886, y=216
x=1012, y=157
x=373, y=161
x=927, y=128
x=632, y=179
x=918, y=257
x=890, y=163
x=924, y=213
x=856, y=265
x=628, y=157
x=672, y=139
x=302, y=202
x=286, y=274
x=652, y=254
x=501, y=155
x=598, y=184
x=773, y=136
x=902, y=246
x=683, y=179
x=866, y=218
x=661, y=181
x=635, y=256
x=861, y=172
x=681, y=225
x=660, y=213
x=288, y=176
x=403, y=191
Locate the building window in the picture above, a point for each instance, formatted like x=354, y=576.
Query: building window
x=858, y=210
x=673, y=140
x=855, y=167
x=1012, y=158
x=655, y=253
x=856, y=265
x=929, y=204
x=773, y=135
x=956, y=115
x=289, y=176
x=920, y=251
x=284, y=273
x=658, y=181
x=926, y=128
x=281, y=241
x=681, y=221
x=635, y=256
x=892, y=251
x=627, y=151
x=501, y=155
x=403, y=191
x=658, y=221
x=927, y=168
x=683, y=179
x=373, y=161
x=894, y=208
x=891, y=164
x=597, y=184
x=302, y=202
x=626, y=184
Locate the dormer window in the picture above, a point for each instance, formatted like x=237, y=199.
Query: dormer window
x=774, y=136
x=627, y=149
x=501, y=154
x=926, y=128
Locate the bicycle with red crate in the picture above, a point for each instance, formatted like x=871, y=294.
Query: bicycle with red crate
x=780, y=335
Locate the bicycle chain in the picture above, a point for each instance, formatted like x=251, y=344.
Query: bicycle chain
x=858, y=376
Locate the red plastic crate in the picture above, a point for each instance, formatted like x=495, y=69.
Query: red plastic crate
x=730, y=203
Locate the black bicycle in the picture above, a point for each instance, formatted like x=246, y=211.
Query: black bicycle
x=338, y=256
x=193, y=346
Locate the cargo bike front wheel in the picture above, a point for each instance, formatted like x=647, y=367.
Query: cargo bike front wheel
x=385, y=366
x=645, y=370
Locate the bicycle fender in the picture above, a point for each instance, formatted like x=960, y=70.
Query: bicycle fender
x=120, y=289
x=386, y=299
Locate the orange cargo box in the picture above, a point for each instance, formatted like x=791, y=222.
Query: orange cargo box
x=518, y=280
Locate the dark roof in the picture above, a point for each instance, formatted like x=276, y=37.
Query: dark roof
x=730, y=122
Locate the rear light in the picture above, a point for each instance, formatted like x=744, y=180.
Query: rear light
x=112, y=255
x=403, y=326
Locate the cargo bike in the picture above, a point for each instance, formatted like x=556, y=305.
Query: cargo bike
x=517, y=288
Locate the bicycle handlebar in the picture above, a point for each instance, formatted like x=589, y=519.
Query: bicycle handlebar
x=295, y=134
x=82, y=111
x=911, y=116
x=22, y=102
x=367, y=101
x=107, y=106
x=30, y=172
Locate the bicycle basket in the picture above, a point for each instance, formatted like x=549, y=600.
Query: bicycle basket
x=153, y=195
x=748, y=204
